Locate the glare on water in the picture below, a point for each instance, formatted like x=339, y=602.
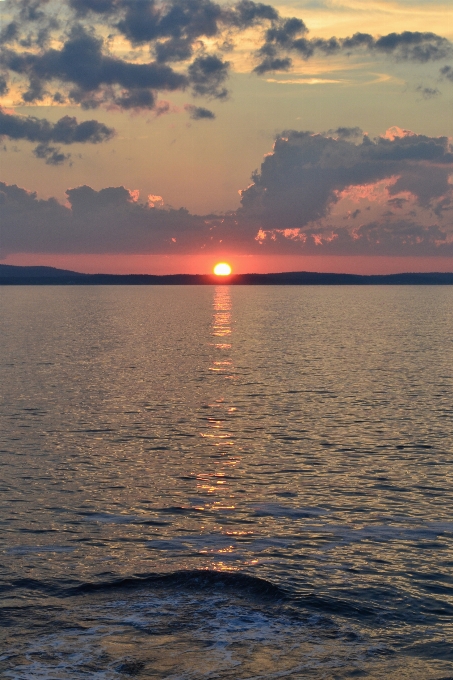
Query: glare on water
x=292, y=443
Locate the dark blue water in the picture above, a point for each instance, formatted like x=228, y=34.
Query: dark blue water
x=226, y=482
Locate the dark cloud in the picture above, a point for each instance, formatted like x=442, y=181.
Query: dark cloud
x=9, y=33
x=65, y=131
x=3, y=85
x=398, y=203
x=189, y=19
x=207, y=75
x=31, y=10
x=247, y=13
x=176, y=49
x=447, y=72
x=95, y=221
x=82, y=63
x=345, y=132
x=299, y=182
x=144, y=21
x=273, y=64
x=428, y=92
x=314, y=194
x=414, y=46
x=284, y=32
x=51, y=154
x=83, y=7
x=199, y=112
x=85, y=72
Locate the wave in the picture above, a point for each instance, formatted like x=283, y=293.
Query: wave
x=193, y=579
x=184, y=580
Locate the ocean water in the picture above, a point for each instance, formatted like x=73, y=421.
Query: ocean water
x=226, y=482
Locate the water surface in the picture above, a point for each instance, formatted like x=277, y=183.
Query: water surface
x=226, y=482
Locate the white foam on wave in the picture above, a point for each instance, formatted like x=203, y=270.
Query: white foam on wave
x=199, y=636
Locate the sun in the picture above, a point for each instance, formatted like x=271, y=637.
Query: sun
x=222, y=269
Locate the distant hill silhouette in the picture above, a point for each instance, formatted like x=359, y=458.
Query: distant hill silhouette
x=11, y=275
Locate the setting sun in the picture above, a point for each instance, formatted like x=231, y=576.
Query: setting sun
x=222, y=269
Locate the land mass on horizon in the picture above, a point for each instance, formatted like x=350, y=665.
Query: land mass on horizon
x=13, y=275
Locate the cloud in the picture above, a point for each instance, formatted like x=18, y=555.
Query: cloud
x=51, y=154
x=3, y=86
x=199, y=112
x=311, y=184
x=92, y=74
x=299, y=182
x=313, y=194
x=207, y=75
x=271, y=63
x=65, y=131
x=414, y=46
x=447, y=72
x=68, y=51
x=428, y=92
x=346, y=132
x=109, y=220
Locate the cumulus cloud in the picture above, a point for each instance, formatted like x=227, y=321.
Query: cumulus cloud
x=299, y=181
x=314, y=193
x=395, y=193
x=61, y=50
x=109, y=220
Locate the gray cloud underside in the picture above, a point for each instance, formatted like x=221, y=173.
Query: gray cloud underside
x=83, y=70
x=290, y=36
x=299, y=181
x=297, y=187
x=65, y=131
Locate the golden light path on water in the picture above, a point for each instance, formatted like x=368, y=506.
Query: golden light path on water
x=222, y=365
x=226, y=481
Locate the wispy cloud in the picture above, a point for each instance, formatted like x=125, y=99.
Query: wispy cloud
x=304, y=81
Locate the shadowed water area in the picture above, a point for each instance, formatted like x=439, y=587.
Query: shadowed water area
x=226, y=482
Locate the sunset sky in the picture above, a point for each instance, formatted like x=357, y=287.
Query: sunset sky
x=161, y=137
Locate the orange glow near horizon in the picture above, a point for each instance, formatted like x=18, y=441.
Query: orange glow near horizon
x=222, y=269
x=160, y=264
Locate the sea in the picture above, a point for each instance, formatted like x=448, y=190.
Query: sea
x=226, y=482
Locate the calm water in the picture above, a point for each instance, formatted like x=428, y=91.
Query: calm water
x=226, y=482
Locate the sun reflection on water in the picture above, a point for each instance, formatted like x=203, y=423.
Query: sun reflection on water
x=216, y=486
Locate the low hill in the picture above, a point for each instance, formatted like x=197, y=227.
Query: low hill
x=38, y=276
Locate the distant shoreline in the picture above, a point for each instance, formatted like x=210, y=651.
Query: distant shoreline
x=11, y=275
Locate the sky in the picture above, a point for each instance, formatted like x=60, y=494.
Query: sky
x=141, y=136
